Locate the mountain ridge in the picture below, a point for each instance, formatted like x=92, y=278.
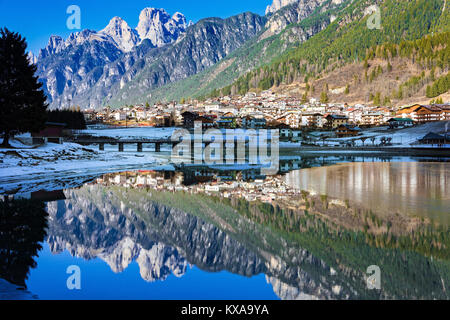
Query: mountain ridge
x=90, y=71
x=295, y=43
x=345, y=41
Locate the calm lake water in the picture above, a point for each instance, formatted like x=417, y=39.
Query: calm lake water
x=414, y=188
x=173, y=235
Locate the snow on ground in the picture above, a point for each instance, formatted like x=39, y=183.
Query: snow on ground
x=63, y=165
x=27, y=168
x=402, y=138
x=156, y=133
x=130, y=133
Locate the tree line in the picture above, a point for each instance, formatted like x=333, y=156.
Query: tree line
x=406, y=29
x=23, y=106
x=73, y=119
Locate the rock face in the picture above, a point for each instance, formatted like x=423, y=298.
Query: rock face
x=54, y=46
x=278, y=4
x=290, y=14
x=99, y=222
x=89, y=226
x=123, y=36
x=120, y=65
x=93, y=69
x=71, y=67
x=159, y=27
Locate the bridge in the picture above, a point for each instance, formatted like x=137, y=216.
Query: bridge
x=101, y=142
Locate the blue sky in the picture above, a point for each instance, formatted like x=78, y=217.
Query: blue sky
x=38, y=20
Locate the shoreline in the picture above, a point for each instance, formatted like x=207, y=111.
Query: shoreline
x=59, y=166
x=389, y=151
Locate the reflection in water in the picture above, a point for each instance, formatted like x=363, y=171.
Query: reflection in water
x=22, y=228
x=122, y=219
x=415, y=188
x=308, y=246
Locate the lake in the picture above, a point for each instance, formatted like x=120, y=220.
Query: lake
x=309, y=232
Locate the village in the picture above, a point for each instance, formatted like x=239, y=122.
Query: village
x=271, y=111
x=247, y=185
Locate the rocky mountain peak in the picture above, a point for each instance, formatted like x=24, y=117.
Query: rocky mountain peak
x=159, y=27
x=32, y=58
x=93, y=66
x=122, y=34
x=54, y=46
x=278, y=4
x=178, y=16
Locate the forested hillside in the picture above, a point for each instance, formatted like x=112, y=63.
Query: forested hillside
x=363, y=55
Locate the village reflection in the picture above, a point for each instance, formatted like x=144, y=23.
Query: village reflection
x=308, y=246
x=413, y=188
x=308, y=241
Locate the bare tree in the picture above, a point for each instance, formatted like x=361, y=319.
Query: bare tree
x=363, y=140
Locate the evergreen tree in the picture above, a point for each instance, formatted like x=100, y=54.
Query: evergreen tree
x=324, y=97
x=347, y=89
x=377, y=99
x=22, y=101
x=305, y=98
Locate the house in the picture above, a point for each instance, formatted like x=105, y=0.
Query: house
x=119, y=116
x=214, y=107
x=372, y=119
x=293, y=119
x=345, y=130
x=189, y=119
x=227, y=121
x=53, y=132
x=141, y=113
x=435, y=139
x=207, y=123
x=164, y=120
x=285, y=132
x=445, y=111
x=312, y=120
x=400, y=123
x=334, y=121
x=226, y=124
x=254, y=123
x=296, y=135
x=421, y=113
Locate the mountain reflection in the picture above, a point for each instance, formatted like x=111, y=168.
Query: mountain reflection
x=310, y=241
x=165, y=225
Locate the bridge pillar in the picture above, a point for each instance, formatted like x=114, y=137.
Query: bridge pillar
x=101, y=146
x=139, y=147
x=192, y=151
x=157, y=147
x=120, y=147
